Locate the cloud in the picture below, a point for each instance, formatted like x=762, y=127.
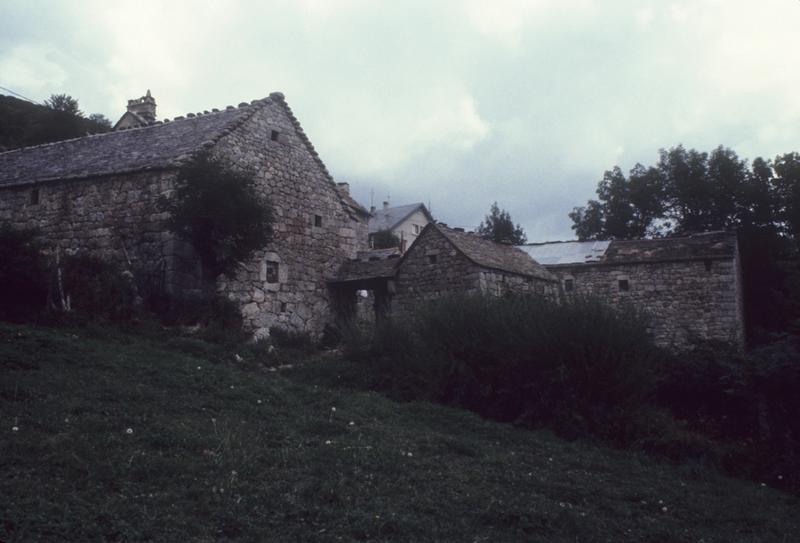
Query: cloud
x=35, y=68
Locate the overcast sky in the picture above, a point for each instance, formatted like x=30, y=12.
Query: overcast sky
x=456, y=103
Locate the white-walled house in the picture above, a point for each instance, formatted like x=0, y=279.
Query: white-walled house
x=406, y=222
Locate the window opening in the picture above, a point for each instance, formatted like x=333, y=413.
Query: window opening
x=35, y=197
x=569, y=285
x=317, y=220
x=432, y=259
x=274, y=135
x=707, y=264
x=272, y=272
x=283, y=307
x=624, y=286
x=416, y=229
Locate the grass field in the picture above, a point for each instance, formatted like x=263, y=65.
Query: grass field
x=106, y=436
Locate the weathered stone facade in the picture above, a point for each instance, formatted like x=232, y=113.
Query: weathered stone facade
x=690, y=287
x=99, y=195
x=440, y=264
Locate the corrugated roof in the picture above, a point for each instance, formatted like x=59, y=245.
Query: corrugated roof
x=386, y=219
x=566, y=252
x=493, y=255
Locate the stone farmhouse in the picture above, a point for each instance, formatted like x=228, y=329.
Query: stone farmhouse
x=406, y=222
x=690, y=286
x=98, y=194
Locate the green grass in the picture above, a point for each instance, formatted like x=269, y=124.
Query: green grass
x=219, y=451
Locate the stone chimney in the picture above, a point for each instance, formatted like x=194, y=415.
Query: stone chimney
x=344, y=187
x=144, y=107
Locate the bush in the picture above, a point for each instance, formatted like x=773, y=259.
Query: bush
x=93, y=288
x=23, y=275
x=572, y=367
x=290, y=339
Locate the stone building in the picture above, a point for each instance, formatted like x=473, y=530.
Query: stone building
x=443, y=261
x=406, y=222
x=98, y=194
x=690, y=286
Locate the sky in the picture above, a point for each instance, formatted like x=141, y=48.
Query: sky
x=456, y=104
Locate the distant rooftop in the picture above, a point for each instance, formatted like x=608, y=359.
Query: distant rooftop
x=566, y=252
x=387, y=217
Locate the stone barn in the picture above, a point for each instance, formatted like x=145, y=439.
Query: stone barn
x=691, y=286
x=443, y=261
x=98, y=194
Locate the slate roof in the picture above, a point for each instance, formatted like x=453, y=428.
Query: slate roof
x=386, y=219
x=494, y=255
x=694, y=247
x=157, y=146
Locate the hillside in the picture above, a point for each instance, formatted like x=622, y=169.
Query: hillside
x=106, y=436
x=23, y=124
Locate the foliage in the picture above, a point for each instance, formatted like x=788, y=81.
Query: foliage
x=92, y=288
x=23, y=124
x=526, y=359
x=100, y=120
x=498, y=226
x=291, y=339
x=217, y=452
x=384, y=239
x=64, y=103
x=219, y=211
x=23, y=275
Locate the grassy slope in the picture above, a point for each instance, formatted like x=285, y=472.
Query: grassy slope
x=224, y=453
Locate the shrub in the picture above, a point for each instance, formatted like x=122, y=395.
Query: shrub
x=290, y=339
x=23, y=276
x=93, y=288
x=525, y=359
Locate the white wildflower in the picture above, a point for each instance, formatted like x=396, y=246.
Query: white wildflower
x=327, y=442
x=15, y=428
x=351, y=423
x=237, y=357
x=129, y=431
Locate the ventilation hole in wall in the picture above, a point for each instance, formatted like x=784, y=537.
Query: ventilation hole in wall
x=34, y=197
x=272, y=272
x=283, y=307
x=274, y=135
x=623, y=284
x=569, y=285
x=318, y=220
x=707, y=264
x=432, y=259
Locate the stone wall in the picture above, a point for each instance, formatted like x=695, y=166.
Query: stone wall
x=285, y=284
x=112, y=217
x=685, y=299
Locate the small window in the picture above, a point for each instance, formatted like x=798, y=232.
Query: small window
x=416, y=229
x=623, y=284
x=274, y=135
x=283, y=307
x=272, y=272
x=569, y=285
x=35, y=197
x=707, y=264
x=432, y=259
x=318, y=220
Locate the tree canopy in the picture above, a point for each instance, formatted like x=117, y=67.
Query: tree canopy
x=691, y=191
x=498, y=226
x=219, y=211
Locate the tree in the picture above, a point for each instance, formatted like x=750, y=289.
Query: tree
x=498, y=226
x=101, y=120
x=219, y=211
x=385, y=239
x=64, y=103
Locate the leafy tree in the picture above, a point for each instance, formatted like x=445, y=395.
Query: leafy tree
x=219, y=211
x=385, y=239
x=498, y=226
x=64, y=103
x=100, y=120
